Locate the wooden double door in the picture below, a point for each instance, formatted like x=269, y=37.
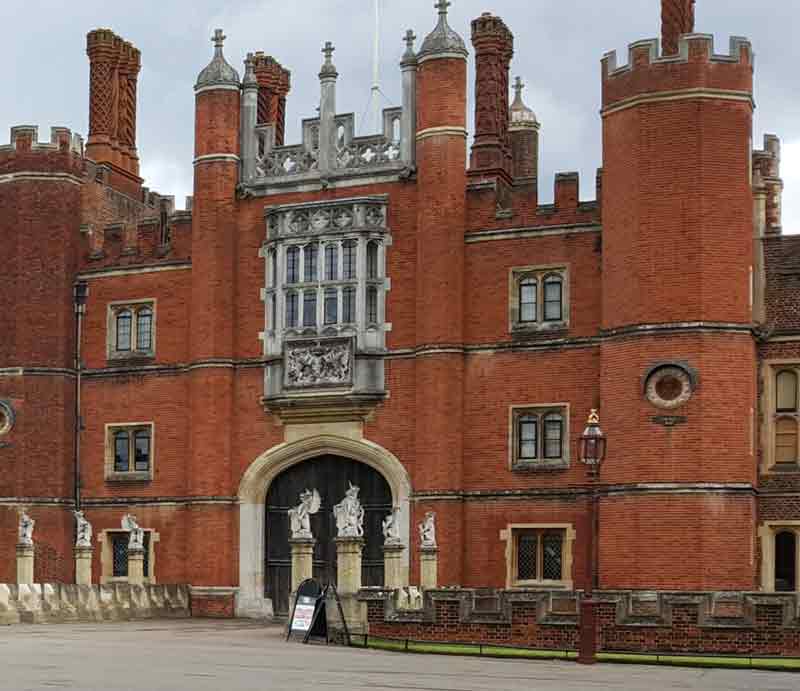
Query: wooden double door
x=330, y=476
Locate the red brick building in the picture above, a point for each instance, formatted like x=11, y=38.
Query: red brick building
x=382, y=311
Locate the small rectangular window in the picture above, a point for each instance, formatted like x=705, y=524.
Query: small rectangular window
x=131, y=330
x=131, y=452
x=372, y=305
x=310, y=263
x=349, y=260
x=310, y=308
x=539, y=555
x=349, y=305
x=538, y=437
x=119, y=554
x=293, y=264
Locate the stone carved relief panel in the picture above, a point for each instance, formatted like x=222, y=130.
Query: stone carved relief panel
x=318, y=363
x=314, y=219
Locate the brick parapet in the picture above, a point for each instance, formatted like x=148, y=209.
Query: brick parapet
x=24, y=153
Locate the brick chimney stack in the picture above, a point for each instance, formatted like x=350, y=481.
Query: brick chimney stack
x=494, y=48
x=274, y=83
x=677, y=18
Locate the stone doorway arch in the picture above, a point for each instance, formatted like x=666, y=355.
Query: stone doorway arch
x=251, y=600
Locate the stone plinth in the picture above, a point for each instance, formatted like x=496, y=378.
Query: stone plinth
x=429, y=568
x=348, y=556
x=136, y=566
x=302, y=560
x=24, y=564
x=393, y=566
x=83, y=565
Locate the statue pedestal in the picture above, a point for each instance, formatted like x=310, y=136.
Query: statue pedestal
x=393, y=566
x=83, y=565
x=302, y=560
x=136, y=566
x=24, y=564
x=429, y=568
x=348, y=569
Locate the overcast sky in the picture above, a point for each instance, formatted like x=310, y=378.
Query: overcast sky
x=558, y=47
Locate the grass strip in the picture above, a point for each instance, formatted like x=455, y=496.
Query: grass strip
x=498, y=651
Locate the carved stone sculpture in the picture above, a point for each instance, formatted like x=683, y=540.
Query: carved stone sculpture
x=83, y=530
x=427, y=531
x=391, y=528
x=300, y=515
x=349, y=514
x=26, y=524
x=136, y=540
x=318, y=364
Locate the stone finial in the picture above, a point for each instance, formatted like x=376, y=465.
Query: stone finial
x=520, y=114
x=443, y=40
x=328, y=69
x=249, y=79
x=409, y=38
x=218, y=72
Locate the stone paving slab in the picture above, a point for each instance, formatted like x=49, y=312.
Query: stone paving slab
x=208, y=655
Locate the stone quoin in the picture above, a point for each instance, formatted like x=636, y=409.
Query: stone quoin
x=396, y=312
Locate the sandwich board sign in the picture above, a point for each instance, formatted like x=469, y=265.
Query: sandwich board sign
x=305, y=606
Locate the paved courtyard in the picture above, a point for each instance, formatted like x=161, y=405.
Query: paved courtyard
x=234, y=656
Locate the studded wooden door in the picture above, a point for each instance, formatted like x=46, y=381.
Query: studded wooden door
x=330, y=475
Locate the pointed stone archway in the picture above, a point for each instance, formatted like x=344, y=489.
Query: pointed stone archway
x=251, y=600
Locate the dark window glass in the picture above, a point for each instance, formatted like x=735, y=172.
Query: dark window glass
x=146, y=545
x=527, y=300
x=528, y=436
x=552, y=299
x=273, y=311
x=273, y=268
x=331, y=306
x=124, y=320
x=785, y=562
x=331, y=262
x=291, y=310
x=144, y=329
x=142, y=450
x=310, y=263
x=372, y=260
x=119, y=550
x=552, y=544
x=372, y=304
x=292, y=264
x=122, y=450
x=527, y=553
x=310, y=308
x=553, y=435
x=349, y=260
x=349, y=305
x=786, y=385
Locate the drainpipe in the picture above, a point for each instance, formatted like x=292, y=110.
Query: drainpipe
x=80, y=292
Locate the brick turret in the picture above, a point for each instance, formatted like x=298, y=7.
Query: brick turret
x=441, y=181
x=524, y=133
x=677, y=202
x=40, y=196
x=114, y=66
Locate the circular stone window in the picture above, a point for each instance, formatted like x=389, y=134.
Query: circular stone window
x=6, y=418
x=669, y=387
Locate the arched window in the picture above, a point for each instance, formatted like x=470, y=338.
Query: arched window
x=124, y=324
x=553, y=435
x=349, y=305
x=786, y=390
x=331, y=262
x=122, y=449
x=527, y=300
x=349, y=260
x=144, y=329
x=372, y=260
x=292, y=264
x=310, y=263
x=786, y=562
x=527, y=436
x=786, y=440
x=310, y=308
x=291, y=310
x=331, y=306
x=553, y=294
x=372, y=305
x=141, y=443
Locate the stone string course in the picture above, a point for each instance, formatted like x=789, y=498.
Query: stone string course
x=707, y=623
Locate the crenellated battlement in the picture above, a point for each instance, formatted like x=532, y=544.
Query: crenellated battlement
x=63, y=154
x=695, y=65
x=26, y=138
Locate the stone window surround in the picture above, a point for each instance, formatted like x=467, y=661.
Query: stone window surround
x=539, y=272
x=541, y=463
x=111, y=329
x=509, y=536
x=112, y=475
x=107, y=557
x=769, y=372
x=767, y=532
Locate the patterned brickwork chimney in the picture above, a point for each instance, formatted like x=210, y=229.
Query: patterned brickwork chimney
x=677, y=18
x=274, y=83
x=494, y=48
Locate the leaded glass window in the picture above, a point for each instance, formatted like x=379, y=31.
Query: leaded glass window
x=349, y=253
x=372, y=304
x=528, y=425
x=331, y=306
x=144, y=329
x=292, y=264
x=121, y=452
x=331, y=262
x=552, y=549
x=538, y=298
x=119, y=554
x=273, y=268
x=539, y=554
x=124, y=327
x=349, y=305
x=372, y=260
x=310, y=263
x=291, y=310
x=527, y=553
x=310, y=308
x=527, y=300
x=538, y=435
